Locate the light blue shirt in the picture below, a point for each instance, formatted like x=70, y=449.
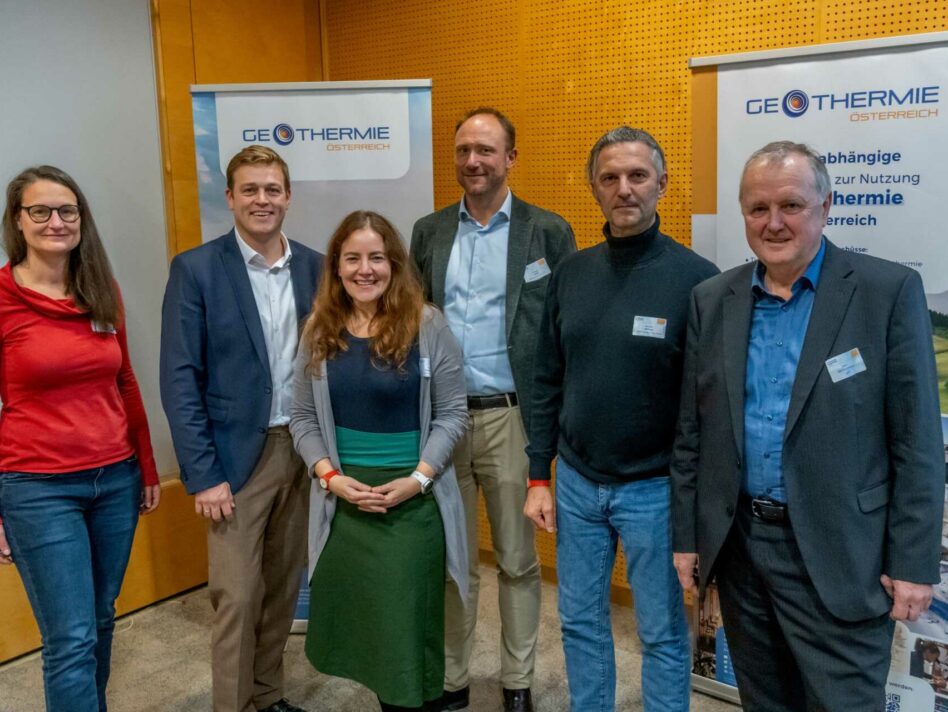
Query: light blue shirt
x=778, y=328
x=475, y=300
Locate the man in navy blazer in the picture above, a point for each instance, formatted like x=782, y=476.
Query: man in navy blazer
x=230, y=324
x=807, y=470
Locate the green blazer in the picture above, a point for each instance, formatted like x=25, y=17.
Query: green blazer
x=534, y=233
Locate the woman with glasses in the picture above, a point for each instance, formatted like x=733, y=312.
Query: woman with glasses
x=76, y=464
x=379, y=404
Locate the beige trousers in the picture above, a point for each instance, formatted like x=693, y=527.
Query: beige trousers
x=255, y=563
x=491, y=457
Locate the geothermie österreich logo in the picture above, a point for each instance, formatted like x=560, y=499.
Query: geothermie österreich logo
x=795, y=103
x=283, y=134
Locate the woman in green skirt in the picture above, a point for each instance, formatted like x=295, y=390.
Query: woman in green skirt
x=379, y=404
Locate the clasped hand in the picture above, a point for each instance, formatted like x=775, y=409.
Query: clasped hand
x=374, y=499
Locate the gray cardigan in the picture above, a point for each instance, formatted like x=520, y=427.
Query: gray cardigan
x=443, y=410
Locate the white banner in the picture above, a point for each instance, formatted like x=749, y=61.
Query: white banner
x=880, y=121
x=358, y=146
x=364, y=145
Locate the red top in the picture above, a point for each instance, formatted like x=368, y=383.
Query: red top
x=70, y=398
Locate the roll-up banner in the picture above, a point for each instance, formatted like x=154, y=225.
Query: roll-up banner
x=877, y=113
x=349, y=146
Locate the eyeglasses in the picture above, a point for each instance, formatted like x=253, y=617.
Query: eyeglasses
x=42, y=213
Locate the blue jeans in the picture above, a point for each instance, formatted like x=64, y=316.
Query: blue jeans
x=590, y=519
x=71, y=535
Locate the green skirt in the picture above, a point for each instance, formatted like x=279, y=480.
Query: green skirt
x=376, y=612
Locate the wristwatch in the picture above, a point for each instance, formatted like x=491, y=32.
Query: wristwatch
x=426, y=482
x=324, y=479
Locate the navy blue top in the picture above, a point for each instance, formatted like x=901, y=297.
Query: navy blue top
x=372, y=397
x=778, y=327
x=375, y=407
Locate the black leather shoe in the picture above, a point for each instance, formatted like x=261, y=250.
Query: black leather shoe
x=283, y=706
x=518, y=700
x=453, y=700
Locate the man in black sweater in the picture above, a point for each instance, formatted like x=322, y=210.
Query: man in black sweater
x=605, y=403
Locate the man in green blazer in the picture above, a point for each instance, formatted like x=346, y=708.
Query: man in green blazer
x=486, y=262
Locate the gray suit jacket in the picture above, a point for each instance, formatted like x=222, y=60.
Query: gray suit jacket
x=862, y=458
x=443, y=410
x=534, y=233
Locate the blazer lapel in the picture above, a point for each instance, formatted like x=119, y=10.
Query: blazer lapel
x=736, y=318
x=518, y=247
x=441, y=252
x=301, y=281
x=833, y=294
x=236, y=272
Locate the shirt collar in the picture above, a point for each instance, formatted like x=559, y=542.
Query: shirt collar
x=252, y=257
x=810, y=278
x=504, y=212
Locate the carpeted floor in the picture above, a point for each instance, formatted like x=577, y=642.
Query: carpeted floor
x=161, y=663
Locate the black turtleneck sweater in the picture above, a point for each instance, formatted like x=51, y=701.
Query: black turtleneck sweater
x=606, y=399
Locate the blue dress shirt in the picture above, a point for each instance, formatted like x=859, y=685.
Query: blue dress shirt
x=778, y=328
x=475, y=300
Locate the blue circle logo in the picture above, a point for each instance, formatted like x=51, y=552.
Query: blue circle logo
x=283, y=134
x=795, y=103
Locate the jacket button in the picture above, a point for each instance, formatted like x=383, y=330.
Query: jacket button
x=729, y=510
x=261, y=430
x=268, y=390
x=738, y=462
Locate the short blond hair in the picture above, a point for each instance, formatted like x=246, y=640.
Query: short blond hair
x=257, y=155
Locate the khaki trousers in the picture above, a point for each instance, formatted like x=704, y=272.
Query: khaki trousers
x=255, y=562
x=491, y=457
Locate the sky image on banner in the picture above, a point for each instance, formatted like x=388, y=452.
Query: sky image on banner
x=879, y=120
x=347, y=149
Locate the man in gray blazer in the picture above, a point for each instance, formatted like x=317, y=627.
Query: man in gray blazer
x=807, y=472
x=486, y=262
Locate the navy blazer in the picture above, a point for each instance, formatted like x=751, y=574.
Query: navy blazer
x=215, y=375
x=862, y=458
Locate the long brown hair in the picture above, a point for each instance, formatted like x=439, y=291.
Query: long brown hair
x=395, y=325
x=89, y=279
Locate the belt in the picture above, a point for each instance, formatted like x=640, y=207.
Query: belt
x=497, y=400
x=765, y=509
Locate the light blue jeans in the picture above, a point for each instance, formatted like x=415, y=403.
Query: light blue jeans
x=590, y=519
x=71, y=535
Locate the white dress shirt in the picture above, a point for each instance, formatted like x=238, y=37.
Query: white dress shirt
x=273, y=292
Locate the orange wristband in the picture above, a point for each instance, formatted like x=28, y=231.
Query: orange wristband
x=324, y=479
x=538, y=483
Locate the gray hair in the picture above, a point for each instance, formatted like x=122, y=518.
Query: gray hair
x=779, y=151
x=625, y=134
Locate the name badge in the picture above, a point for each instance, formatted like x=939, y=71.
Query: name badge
x=651, y=326
x=536, y=270
x=103, y=328
x=845, y=365
x=425, y=366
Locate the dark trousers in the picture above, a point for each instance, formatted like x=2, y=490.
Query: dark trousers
x=790, y=653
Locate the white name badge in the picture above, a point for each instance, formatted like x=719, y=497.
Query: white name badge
x=103, y=328
x=425, y=366
x=536, y=270
x=652, y=326
x=845, y=365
